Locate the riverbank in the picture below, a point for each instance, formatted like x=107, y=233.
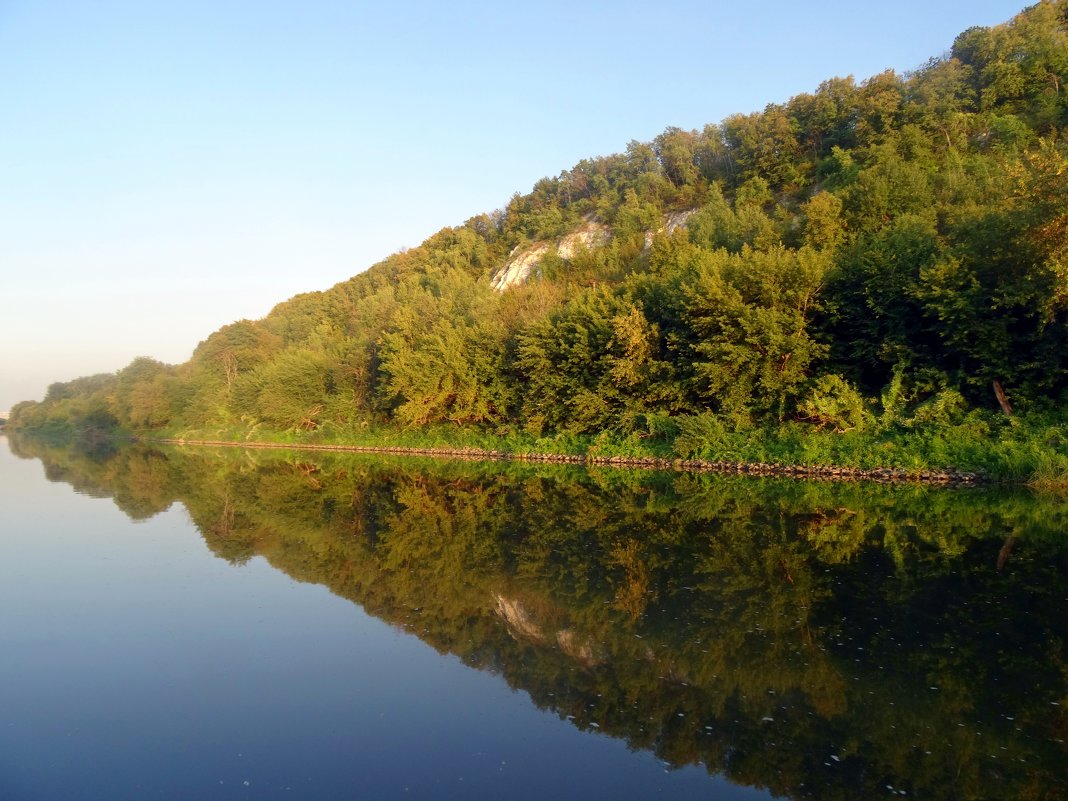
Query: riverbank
x=823, y=472
x=1029, y=449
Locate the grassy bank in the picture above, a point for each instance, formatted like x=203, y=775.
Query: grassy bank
x=1018, y=450
x=1030, y=448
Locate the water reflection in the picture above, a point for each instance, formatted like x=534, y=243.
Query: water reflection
x=818, y=640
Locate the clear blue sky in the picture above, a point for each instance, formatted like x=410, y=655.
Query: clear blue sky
x=169, y=167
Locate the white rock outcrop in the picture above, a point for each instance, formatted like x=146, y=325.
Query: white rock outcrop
x=517, y=269
x=524, y=260
x=590, y=235
x=671, y=223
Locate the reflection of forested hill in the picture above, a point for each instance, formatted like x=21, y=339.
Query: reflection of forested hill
x=824, y=641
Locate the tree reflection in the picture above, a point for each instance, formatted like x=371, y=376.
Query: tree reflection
x=823, y=641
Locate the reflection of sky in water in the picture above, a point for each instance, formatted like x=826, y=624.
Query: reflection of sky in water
x=135, y=664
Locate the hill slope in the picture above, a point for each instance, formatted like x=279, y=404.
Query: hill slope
x=893, y=252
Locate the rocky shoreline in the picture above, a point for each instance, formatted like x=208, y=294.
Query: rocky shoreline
x=946, y=477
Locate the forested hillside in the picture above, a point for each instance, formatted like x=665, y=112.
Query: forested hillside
x=882, y=256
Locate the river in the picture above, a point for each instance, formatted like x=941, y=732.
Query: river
x=206, y=623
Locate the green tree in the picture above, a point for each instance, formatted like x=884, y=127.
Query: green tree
x=443, y=355
x=751, y=315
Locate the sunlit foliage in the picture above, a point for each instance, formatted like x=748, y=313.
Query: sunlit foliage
x=907, y=228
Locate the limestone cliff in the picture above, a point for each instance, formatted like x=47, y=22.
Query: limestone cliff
x=524, y=259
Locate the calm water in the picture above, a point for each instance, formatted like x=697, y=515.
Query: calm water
x=207, y=624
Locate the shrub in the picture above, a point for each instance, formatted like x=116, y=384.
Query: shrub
x=699, y=434
x=834, y=402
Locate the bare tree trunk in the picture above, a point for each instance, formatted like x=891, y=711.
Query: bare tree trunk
x=229, y=361
x=1003, y=400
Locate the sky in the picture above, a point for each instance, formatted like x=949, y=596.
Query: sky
x=167, y=168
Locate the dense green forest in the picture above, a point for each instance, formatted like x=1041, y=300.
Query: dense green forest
x=876, y=271
x=916, y=634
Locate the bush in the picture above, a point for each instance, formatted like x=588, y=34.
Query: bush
x=834, y=402
x=699, y=434
x=946, y=408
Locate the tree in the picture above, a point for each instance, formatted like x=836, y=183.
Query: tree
x=442, y=357
x=750, y=313
x=236, y=347
x=1000, y=293
x=876, y=316
x=765, y=144
x=595, y=363
x=675, y=150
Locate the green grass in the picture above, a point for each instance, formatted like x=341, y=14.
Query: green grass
x=1051, y=473
x=444, y=437
x=1021, y=450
